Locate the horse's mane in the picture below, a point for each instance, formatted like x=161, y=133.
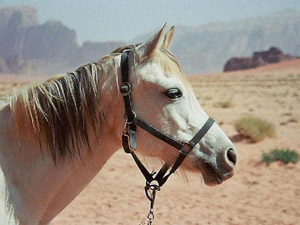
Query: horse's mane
x=60, y=110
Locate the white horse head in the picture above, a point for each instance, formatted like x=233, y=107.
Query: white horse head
x=68, y=118
x=164, y=98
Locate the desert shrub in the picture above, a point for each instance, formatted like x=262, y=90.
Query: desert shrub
x=280, y=154
x=224, y=104
x=254, y=128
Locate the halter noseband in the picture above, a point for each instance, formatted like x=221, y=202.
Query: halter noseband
x=132, y=121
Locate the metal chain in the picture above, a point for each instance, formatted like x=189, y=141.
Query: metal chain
x=150, y=190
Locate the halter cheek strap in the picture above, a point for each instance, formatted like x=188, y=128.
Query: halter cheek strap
x=129, y=139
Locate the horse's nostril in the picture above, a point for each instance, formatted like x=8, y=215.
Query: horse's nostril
x=231, y=156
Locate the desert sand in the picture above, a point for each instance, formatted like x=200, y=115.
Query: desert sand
x=257, y=194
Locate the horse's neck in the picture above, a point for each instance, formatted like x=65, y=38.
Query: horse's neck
x=30, y=183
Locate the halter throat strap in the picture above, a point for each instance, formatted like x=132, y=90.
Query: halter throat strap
x=129, y=140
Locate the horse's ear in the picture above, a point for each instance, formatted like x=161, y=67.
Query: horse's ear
x=155, y=43
x=169, y=38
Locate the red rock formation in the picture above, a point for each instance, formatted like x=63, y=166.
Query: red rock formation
x=273, y=55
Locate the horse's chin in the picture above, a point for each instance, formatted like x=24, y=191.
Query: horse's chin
x=210, y=177
x=212, y=180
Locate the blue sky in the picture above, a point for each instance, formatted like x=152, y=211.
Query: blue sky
x=101, y=20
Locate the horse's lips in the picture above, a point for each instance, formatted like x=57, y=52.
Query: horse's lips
x=212, y=177
x=212, y=181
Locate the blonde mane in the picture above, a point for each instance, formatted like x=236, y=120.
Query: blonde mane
x=60, y=110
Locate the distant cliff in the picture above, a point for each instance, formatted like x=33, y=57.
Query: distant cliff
x=14, y=23
x=206, y=48
x=16, y=64
x=52, y=47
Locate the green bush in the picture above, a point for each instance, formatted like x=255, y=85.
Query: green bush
x=284, y=155
x=254, y=128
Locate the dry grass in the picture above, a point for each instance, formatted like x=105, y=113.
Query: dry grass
x=255, y=128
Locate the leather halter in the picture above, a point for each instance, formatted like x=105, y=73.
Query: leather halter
x=132, y=121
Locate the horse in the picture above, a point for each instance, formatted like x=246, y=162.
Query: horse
x=56, y=135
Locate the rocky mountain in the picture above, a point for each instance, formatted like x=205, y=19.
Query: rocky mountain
x=51, y=41
x=52, y=47
x=16, y=64
x=26, y=15
x=14, y=23
x=273, y=55
x=206, y=48
x=92, y=51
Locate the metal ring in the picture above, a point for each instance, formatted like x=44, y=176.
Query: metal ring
x=133, y=118
x=125, y=88
x=153, y=185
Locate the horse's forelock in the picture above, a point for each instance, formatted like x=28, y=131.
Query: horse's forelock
x=170, y=65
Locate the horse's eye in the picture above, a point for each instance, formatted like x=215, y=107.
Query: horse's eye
x=173, y=93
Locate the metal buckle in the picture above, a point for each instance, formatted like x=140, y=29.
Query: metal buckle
x=185, y=150
x=132, y=139
x=125, y=88
x=130, y=136
x=133, y=120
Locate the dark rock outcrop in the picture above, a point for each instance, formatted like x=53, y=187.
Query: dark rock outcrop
x=273, y=55
x=239, y=64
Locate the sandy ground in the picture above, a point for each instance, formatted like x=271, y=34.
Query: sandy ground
x=257, y=194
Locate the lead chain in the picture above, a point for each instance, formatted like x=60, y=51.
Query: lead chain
x=150, y=191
